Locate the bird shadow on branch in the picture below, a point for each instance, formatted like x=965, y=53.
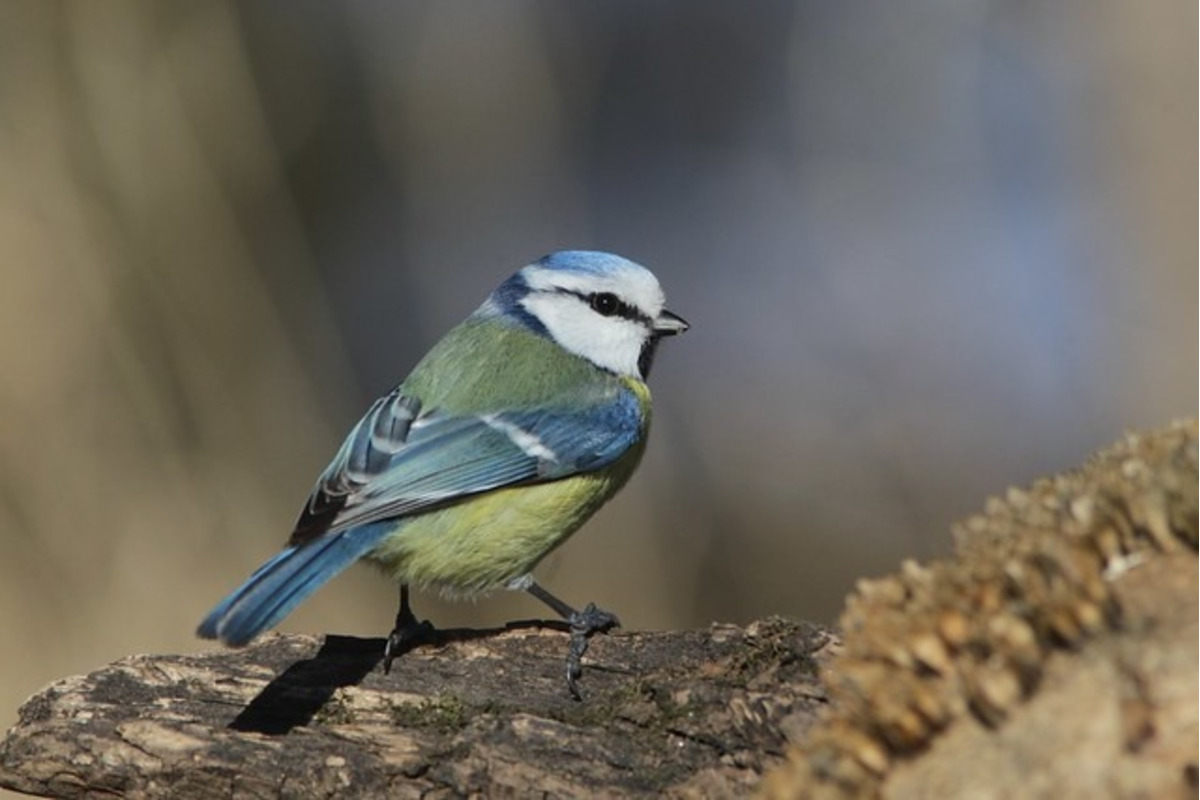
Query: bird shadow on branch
x=297, y=694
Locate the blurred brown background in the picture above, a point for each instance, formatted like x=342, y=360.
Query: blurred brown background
x=929, y=250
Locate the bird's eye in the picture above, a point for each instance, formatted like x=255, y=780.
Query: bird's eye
x=604, y=303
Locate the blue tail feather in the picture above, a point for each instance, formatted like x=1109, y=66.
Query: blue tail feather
x=281, y=584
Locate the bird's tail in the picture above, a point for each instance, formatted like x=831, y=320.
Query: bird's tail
x=280, y=585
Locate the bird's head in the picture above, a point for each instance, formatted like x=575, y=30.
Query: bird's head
x=602, y=307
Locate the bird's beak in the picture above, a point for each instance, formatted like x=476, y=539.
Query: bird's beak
x=668, y=324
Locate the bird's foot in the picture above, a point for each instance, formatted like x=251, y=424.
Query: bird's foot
x=583, y=624
x=408, y=633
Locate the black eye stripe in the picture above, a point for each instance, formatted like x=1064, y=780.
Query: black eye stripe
x=621, y=309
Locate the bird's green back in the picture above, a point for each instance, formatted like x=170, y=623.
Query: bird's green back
x=484, y=366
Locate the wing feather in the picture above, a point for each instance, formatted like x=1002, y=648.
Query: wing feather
x=401, y=459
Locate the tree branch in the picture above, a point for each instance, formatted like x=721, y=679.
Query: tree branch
x=474, y=711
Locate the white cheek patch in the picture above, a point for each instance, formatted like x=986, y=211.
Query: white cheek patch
x=611, y=343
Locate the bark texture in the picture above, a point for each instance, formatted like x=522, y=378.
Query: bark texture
x=486, y=712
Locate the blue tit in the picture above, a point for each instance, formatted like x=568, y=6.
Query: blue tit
x=506, y=437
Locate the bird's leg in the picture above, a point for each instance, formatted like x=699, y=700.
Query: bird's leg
x=408, y=631
x=583, y=624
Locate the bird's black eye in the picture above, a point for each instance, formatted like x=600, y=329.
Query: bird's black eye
x=604, y=303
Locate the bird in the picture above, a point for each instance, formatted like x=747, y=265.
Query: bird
x=506, y=437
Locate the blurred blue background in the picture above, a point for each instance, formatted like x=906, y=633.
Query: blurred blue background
x=929, y=250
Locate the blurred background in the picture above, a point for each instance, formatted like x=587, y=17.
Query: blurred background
x=929, y=250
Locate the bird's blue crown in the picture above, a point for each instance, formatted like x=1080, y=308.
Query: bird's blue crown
x=588, y=262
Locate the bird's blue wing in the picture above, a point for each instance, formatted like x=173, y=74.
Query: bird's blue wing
x=398, y=460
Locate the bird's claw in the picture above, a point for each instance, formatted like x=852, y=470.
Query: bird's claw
x=583, y=624
x=407, y=634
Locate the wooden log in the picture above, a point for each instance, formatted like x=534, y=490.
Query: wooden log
x=472, y=712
